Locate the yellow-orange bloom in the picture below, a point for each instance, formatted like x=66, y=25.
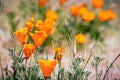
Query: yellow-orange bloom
x=39, y=37
x=28, y=50
x=46, y=26
x=102, y=16
x=88, y=16
x=80, y=38
x=62, y=1
x=59, y=52
x=111, y=14
x=30, y=24
x=82, y=11
x=22, y=35
x=74, y=10
x=106, y=15
x=98, y=3
x=42, y=3
x=51, y=14
x=47, y=66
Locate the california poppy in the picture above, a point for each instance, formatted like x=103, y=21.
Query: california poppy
x=111, y=14
x=80, y=38
x=106, y=15
x=74, y=10
x=46, y=26
x=22, y=35
x=88, y=16
x=42, y=3
x=62, y=1
x=28, y=50
x=39, y=37
x=98, y=3
x=47, y=66
x=30, y=24
x=59, y=52
x=82, y=11
x=51, y=14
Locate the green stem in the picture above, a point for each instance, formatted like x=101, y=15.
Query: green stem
x=49, y=78
x=30, y=74
x=96, y=70
x=110, y=66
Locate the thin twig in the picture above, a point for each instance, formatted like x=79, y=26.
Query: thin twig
x=110, y=66
x=87, y=62
x=89, y=57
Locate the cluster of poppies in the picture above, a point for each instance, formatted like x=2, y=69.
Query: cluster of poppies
x=88, y=15
x=39, y=31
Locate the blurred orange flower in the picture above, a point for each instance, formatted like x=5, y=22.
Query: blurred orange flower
x=51, y=14
x=30, y=24
x=74, y=10
x=80, y=38
x=111, y=14
x=82, y=11
x=62, y=1
x=28, y=50
x=42, y=3
x=88, y=16
x=83, y=5
x=98, y=3
x=59, y=52
x=46, y=26
x=47, y=66
x=106, y=15
x=39, y=37
x=22, y=35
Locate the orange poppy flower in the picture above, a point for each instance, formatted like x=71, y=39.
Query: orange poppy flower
x=47, y=66
x=83, y=5
x=74, y=10
x=88, y=16
x=39, y=37
x=59, y=52
x=28, y=50
x=98, y=3
x=46, y=26
x=82, y=11
x=51, y=14
x=22, y=35
x=30, y=24
x=42, y=3
x=62, y=1
x=102, y=16
x=106, y=15
x=111, y=14
x=80, y=38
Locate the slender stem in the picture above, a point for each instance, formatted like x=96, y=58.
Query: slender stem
x=96, y=70
x=59, y=63
x=26, y=63
x=110, y=66
x=1, y=69
x=46, y=53
x=89, y=57
x=86, y=62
